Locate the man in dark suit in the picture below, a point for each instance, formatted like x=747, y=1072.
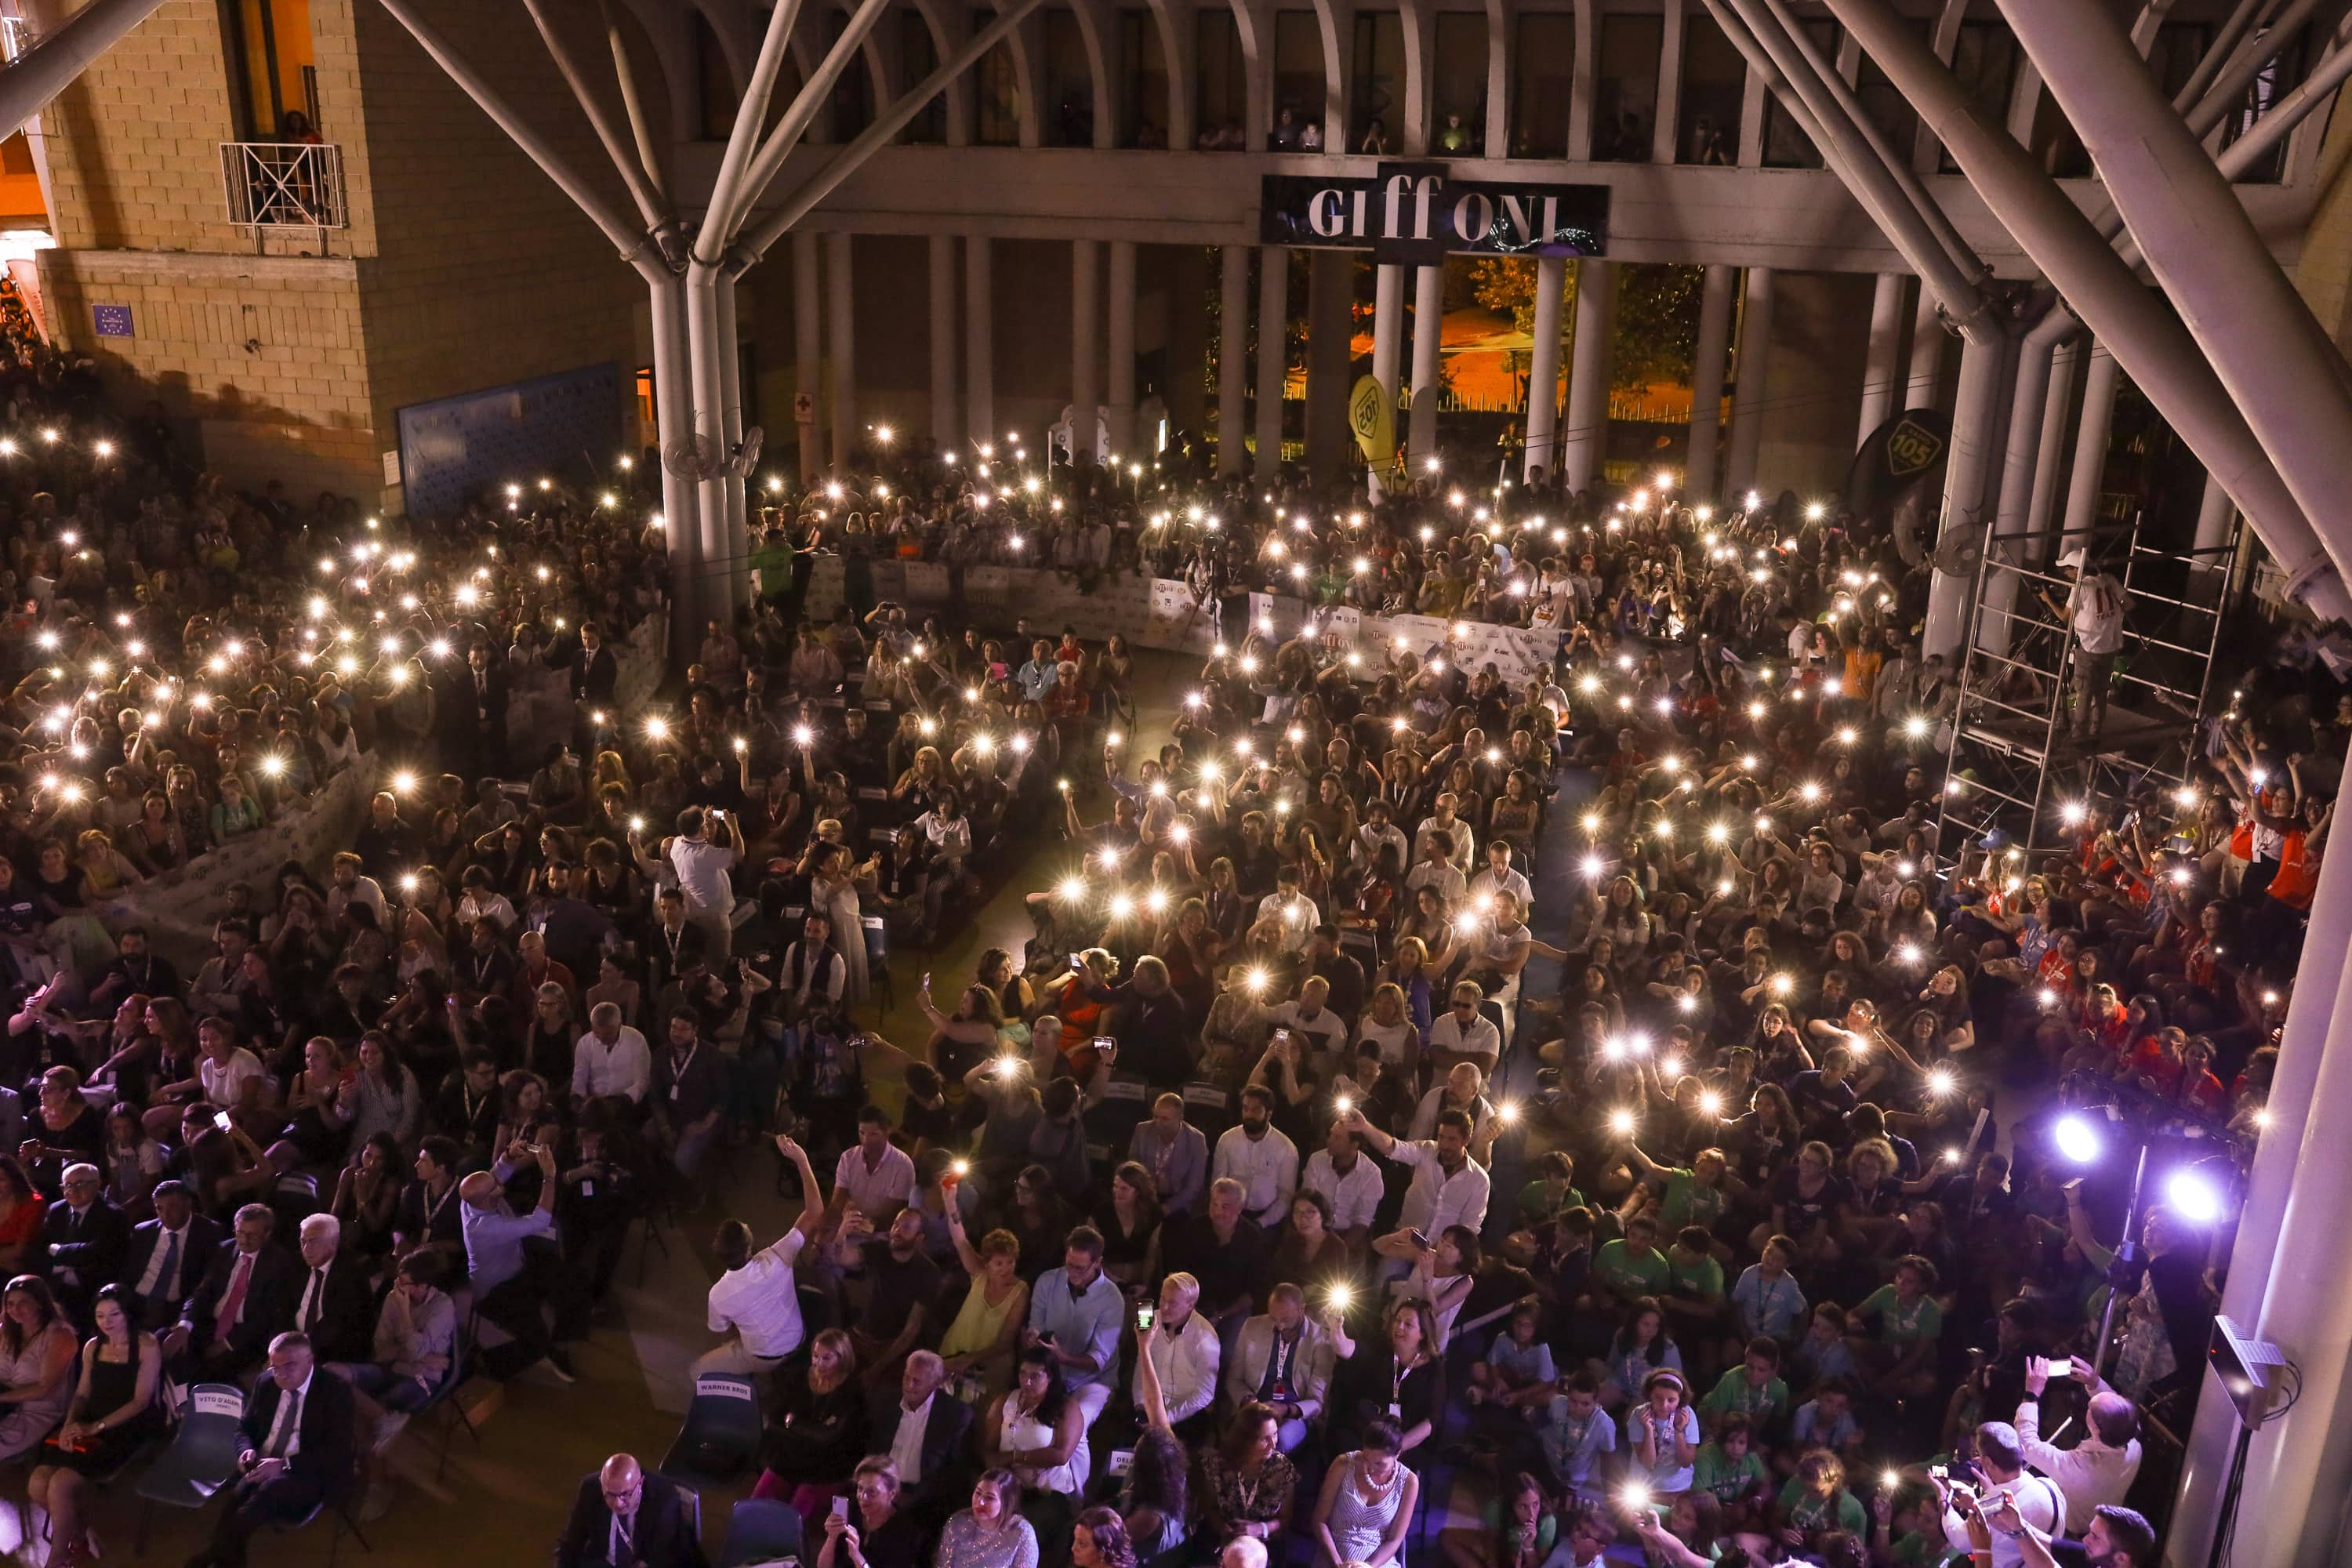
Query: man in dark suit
x=592, y=676
x=168, y=1255
x=625, y=1517
x=301, y=1434
x=83, y=1240
x=478, y=707
x=334, y=1307
x=246, y=1300
x=928, y=1486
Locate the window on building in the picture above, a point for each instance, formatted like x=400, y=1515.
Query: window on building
x=1219, y=79
x=1069, y=83
x=1543, y=70
x=272, y=76
x=1298, y=78
x=1625, y=89
x=1459, y=72
x=1144, y=78
x=1984, y=61
x=1714, y=86
x=919, y=52
x=996, y=84
x=1376, y=98
x=1786, y=145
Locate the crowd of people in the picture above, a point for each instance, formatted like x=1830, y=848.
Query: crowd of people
x=1176, y=1236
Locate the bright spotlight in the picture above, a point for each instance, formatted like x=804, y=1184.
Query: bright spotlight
x=2076, y=1139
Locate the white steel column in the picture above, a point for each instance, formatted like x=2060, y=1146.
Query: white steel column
x=1706, y=376
x=841, y=300
x=1543, y=367
x=2090, y=448
x=1388, y=330
x=978, y=339
x=673, y=415
x=1748, y=392
x=1878, y=372
x=944, y=434
x=1583, y=445
x=808, y=348
x=1273, y=355
x=2057, y=409
x=1428, y=339
x=2215, y=513
x=1923, y=388
x=1232, y=365
x=1965, y=463
x=1122, y=350
x=2013, y=507
x=1085, y=350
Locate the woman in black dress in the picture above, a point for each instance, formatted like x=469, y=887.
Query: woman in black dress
x=114, y=1412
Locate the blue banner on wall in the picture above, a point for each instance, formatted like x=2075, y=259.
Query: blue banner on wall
x=563, y=426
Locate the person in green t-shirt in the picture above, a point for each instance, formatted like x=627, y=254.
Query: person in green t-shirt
x=1753, y=1391
x=1901, y=1356
x=1693, y=1195
x=1693, y=1298
x=1815, y=1503
x=1624, y=1271
x=1554, y=1189
x=1729, y=1468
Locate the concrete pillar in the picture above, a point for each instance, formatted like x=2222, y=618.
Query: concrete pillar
x=1388, y=327
x=2216, y=514
x=1428, y=338
x=1748, y=392
x=1965, y=463
x=1121, y=383
x=1924, y=387
x=1543, y=366
x=842, y=330
x=808, y=347
x=2012, y=509
x=2090, y=447
x=1878, y=370
x=1706, y=378
x=978, y=340
x=1273, y=355
x=1086, y=349
x=673, y=415
x=1585, y=443
x=1232, y=332
x=2057, y=411
x=943, y=342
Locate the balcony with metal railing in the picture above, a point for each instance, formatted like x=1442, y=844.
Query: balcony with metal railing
x=284, y=184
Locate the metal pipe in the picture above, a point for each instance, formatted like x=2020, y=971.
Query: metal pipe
x=843, y=165
x=674, y=416
x=2088, y=481
x=49, y=67
x=586, y=198
x=2229, y=88
x=720, y=219
x=761, y=172
x=1966, y=464
x=1543, y=367
x=1878, y=383
x=2012, y=506
x=2057, y=403
x=1715, y=308
x=2152, y=346
x=729, y=573
x=2233, y=28
x=650, y=207
x=1895, y=160
x=632, y=103
x=708, y=425
x=1428, y=341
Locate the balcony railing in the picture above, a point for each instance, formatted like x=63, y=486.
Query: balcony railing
x=283, y=185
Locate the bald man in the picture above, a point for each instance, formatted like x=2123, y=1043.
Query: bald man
x=2100, y=1469
x=623, y=1517
x=510, y=1287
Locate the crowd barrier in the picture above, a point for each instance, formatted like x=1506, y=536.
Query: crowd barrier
x=178, y=915
x=1162, y=613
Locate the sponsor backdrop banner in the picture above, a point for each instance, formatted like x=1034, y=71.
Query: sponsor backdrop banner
x=1162, y=613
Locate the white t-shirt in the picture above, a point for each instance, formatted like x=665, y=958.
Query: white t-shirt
x=761, y=1301
x=224, y=1084
x=2097, y=603
x=702, y=877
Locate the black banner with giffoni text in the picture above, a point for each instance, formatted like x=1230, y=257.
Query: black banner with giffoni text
x=1417, y=213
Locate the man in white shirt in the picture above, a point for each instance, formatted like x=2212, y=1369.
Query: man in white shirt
x=1442, y=820
x=2001, y=1457
x=1496, y=878
x=1291, y=910
x=1309, y=1018
x=1260, y=1157
x=1379, y=833
x=1448, y=1186
x=1283, y=1357
x=1463, y=1034
x=757, y=1294
x=876, y=1173
x=2099, y=1469
x=1351, y=1183
x=2095, y=609
x=1436, y=869
x=1184, y=1351
x=611, y=1059
x=702, y=859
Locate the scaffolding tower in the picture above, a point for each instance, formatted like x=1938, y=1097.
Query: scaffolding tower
x=2014, y=762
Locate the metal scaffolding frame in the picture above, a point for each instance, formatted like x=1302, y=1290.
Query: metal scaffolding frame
x=2011, y=762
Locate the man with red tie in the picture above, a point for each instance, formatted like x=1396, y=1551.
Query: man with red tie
x=246, y=1299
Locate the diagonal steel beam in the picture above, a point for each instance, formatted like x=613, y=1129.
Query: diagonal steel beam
x=650, y=205
x=49, y=67
x=800, y=114
x=756, y=240
x=632, y=103
x=2148, y=342
x=720, y=219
